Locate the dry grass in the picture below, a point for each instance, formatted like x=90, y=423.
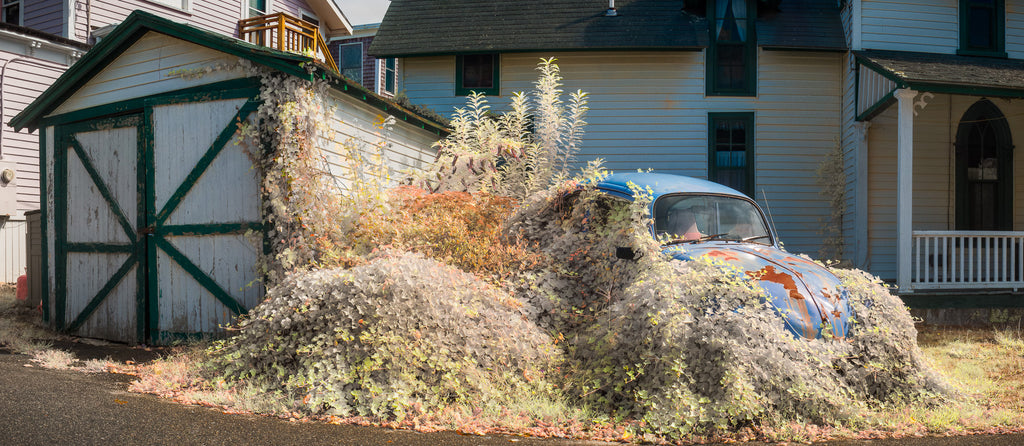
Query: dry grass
x=21, y=329
x=987, y=366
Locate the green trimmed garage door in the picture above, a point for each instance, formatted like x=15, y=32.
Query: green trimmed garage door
x=157, y=222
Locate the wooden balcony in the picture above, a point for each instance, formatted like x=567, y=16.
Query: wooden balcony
x=286, y=33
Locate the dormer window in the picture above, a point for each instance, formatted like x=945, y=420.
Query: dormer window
x=732, y=56
x=982, y=28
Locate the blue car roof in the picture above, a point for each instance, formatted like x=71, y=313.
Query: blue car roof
x=661, y=184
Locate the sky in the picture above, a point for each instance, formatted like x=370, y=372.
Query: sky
x=361, y=12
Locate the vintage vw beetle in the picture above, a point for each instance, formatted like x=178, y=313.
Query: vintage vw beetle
x=693, y=218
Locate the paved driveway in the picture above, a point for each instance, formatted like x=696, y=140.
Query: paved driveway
x=49, y=407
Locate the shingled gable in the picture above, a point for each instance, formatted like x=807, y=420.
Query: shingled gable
x=139, y=23
x=429, y=27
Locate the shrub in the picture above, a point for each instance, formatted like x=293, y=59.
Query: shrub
x=396, y=333
x=691, y=347
x=457, y=228
x=527, y=149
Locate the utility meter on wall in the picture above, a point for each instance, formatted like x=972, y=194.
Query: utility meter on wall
x=8, y=188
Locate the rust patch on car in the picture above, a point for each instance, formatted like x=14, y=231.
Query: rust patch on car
x=724, y=255
x=768, y=273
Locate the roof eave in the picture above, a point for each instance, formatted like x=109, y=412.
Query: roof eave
x=531, y=50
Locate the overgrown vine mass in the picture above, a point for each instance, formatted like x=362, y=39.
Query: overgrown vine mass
x=496, y=280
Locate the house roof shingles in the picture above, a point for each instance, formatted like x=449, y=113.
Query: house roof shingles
x=430, y=27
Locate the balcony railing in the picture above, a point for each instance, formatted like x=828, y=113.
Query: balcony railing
x=967, y=260
x=286, y=33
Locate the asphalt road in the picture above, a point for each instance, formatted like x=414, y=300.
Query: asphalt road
x=49, y=407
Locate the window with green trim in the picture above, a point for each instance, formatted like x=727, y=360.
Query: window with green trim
x=732, y=54
x=390, y=73
x=351, y=58
x=11, y=12
x=257, y=8
x=477, y=72
x=731, y=150
x=982, y=28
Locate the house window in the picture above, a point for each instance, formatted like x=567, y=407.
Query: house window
x=257, y=8
x=984, y=170
x=390, y=73
x=477, y=72
x=731, y=150
x=12, y=12
x=311, y=19
x=982, y=25
x=732, y=55
x=351, y=58
x=178, y=4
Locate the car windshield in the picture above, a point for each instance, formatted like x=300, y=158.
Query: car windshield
x=708, y=217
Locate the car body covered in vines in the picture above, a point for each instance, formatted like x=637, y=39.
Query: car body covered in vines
x=692, y=218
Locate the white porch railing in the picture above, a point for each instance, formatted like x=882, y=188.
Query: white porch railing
x=967, y=259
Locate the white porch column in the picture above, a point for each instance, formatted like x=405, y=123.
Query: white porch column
x=861, y=201
x=904, y=187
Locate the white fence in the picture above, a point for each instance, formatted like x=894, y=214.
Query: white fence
x=13, y=250
x=967, y=259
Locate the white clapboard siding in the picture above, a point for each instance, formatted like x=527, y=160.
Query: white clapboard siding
x=649, y=110
x=24, y=79
x=935, y=130
x=871, y=88
x=13, y=250
x=152, y=65
x=1015, y=32
x=356, y=123
x=220, y=16
x=910, y=25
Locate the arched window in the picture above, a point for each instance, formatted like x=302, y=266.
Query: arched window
x=984, y=170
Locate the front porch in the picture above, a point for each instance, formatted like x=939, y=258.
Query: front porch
x=936, y=206
x=967, y=260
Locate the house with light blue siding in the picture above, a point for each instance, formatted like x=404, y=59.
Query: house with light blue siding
x=747, y=93
x=919, y=97
x=40, y=39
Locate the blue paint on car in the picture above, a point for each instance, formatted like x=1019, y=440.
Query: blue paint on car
x=695, y=218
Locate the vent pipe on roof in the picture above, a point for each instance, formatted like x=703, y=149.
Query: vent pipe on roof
x=611, y=9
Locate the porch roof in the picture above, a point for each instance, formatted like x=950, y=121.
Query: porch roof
x=947, y=73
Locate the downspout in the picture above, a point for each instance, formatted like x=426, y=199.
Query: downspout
x=611, y=12
x=88, y=20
